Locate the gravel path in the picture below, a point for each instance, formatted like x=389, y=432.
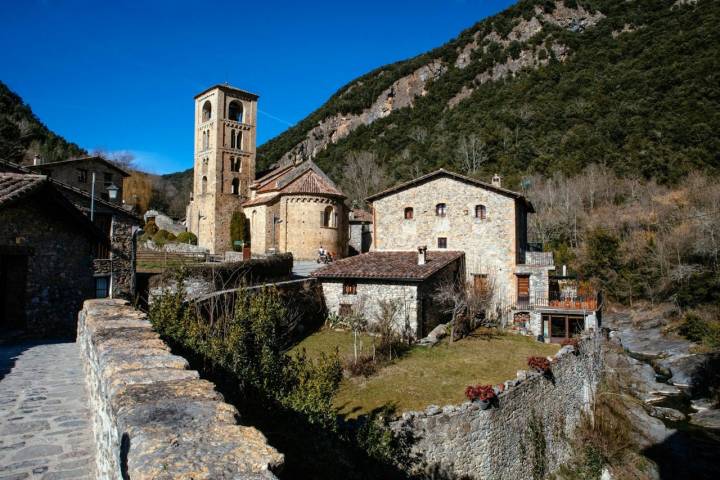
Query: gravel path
x=45, y=423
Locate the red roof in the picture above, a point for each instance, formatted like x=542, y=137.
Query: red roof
x=389, y=266
x=305, y=178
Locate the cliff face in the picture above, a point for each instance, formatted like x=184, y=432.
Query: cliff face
x=403, y=91
x=400, y=94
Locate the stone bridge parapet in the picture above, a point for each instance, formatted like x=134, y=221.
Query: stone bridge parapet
x=153, y=418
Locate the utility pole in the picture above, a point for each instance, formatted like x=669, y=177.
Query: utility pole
x=92, y=198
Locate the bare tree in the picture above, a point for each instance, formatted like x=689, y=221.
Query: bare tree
x=471, y=154
x=362, y=175
x=452, y=296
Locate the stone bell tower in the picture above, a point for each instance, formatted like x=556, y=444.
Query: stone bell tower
x=224, y=166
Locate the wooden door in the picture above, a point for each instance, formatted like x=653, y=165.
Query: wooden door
x=13, y=276
x=523, y=289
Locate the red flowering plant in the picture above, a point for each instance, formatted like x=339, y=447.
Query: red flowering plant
x=541, y=364
x=480, y=392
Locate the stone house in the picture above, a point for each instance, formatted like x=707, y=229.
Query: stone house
x=46, y=256
x=114, y=259
x=360, y=234
x=450, y=212
x=78, y=173
x=360, y=282
x=296, y=209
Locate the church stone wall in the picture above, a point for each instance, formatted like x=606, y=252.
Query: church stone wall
x=302, y=231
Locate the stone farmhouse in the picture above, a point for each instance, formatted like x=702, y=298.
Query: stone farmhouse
x=46, y=256
x=361, y=282
x=78, y=173
x=447, y=212
x=294, y=208
x=113, y=265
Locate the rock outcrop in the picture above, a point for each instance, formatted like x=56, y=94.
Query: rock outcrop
x=154, y=418
x=400, y=94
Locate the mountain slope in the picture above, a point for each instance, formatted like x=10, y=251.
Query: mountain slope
x=23, y=135
x=541, y=87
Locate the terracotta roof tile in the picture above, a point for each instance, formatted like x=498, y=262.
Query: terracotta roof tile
x=388, y=266
x=310, y=182
x=16, y=185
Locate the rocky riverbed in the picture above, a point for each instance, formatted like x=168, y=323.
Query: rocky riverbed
x=679, y=424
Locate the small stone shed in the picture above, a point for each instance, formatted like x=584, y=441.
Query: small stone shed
x=361, y=282
x=46, y=257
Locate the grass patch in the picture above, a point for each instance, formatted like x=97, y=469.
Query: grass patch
x=425, y=376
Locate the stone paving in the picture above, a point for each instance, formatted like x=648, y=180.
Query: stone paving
x=303, y=268
x=45, y=420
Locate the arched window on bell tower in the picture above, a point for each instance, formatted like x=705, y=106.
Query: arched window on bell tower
x=235, y=111
x=206, y=111
x=204, y=185
x=239, y=140
x=232, y=138
x=235, y=187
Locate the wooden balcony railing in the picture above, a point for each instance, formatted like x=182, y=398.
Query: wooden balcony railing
x=589, y=302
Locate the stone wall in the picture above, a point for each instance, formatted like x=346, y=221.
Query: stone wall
x=370, y=293
x=154, y=418
x=491, y=245
x=59, y=264
x=122, y=253
x=498, y=443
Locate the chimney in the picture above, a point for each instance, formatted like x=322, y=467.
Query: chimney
x=497, y=180
x=422, y=255
x=37, y=160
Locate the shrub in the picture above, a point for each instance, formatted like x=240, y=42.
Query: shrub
x=187, y=237
x=541, y=364
x=238, y=232
x=150, y=228
x=365, y=365
x=701, y=330
x=480, y=392
x=162, y=237
x=248, y=342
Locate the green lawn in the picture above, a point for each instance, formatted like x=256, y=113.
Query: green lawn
x=425, y=376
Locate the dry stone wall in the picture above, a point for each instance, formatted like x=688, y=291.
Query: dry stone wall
x=529, y=429
x=154, y=418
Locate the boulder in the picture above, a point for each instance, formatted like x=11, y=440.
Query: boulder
x=667, y=414
x=707, y=418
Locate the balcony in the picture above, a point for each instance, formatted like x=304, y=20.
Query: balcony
x=539, y=259
x=568, y=299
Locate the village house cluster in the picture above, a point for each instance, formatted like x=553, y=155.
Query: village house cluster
x=413, y=238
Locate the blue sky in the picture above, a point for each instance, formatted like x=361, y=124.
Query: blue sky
x=121, y=75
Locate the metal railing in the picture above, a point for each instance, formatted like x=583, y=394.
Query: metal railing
x=543, y=259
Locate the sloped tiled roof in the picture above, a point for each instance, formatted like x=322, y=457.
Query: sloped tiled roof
x=456, y=176
x=305, y=178
x=92, y=158
x=14, y=186
x=388, y=266
x=69, y=190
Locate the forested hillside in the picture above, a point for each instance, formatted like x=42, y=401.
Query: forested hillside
x=23, y=135
x=542, y=87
